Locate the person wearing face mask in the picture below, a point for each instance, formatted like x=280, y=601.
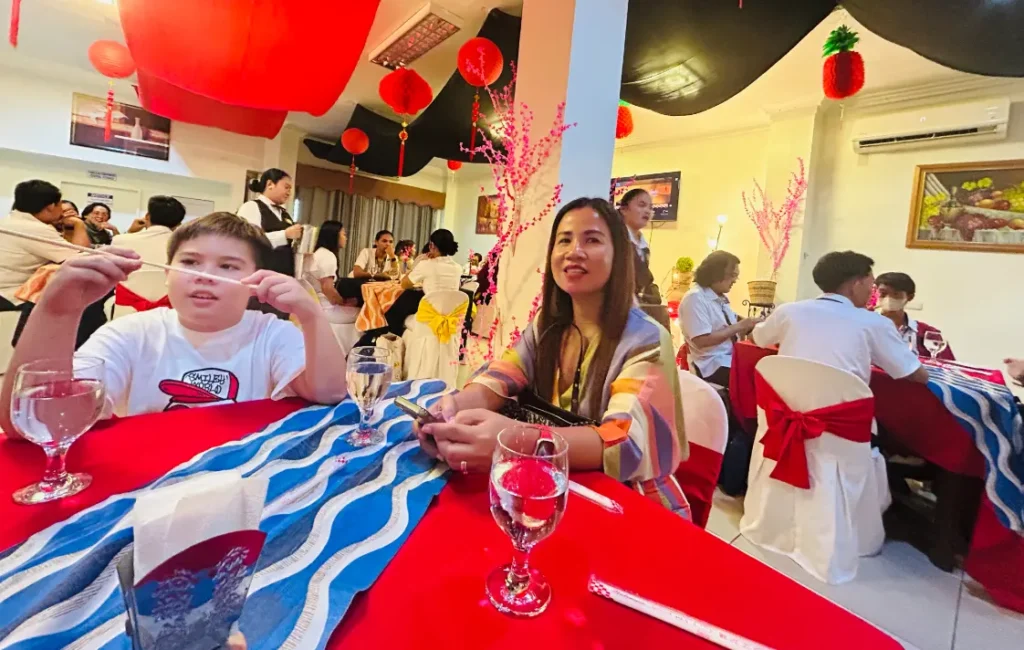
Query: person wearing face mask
x=707, y=321
x=636, y=210
x=267, y=213
x=895, y=290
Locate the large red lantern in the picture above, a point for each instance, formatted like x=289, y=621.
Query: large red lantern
x=623, y=122
x=455, y=165
x=480, y=64
x=264, y=54
x=356, y=142
x=407, y=93
x=112, y=60
x=843, y=73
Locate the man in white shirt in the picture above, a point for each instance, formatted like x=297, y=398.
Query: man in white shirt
x=707, y=321
x=37, y=210
x=836, y=329
x=163, y=215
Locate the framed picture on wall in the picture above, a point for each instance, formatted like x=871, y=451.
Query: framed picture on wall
x=487, y=215
x=250, y=176
x=969, y=207
x=133, y=130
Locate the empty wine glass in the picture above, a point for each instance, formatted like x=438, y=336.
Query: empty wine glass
x=52, y=404
x=369, y=377
x=934, y=343
x=529, y=477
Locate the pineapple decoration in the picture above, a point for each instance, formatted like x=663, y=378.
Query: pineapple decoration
x=843, y=75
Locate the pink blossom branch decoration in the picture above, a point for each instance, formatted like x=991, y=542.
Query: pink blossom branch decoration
x=775, y=225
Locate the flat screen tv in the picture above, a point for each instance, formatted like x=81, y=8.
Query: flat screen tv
x=663, y=188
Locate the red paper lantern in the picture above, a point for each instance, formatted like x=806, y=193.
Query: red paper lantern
x=843, y=72
x=623, y=122
x=454, y=165
x=355, y=141
x=112, y=60
x=407, y=93
x=480, y=64
x=12, y=30
x=264, y=54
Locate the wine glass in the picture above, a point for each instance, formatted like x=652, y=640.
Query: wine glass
x=369, y=377
x=52, y=404
x=934, y=343
x=529, y=477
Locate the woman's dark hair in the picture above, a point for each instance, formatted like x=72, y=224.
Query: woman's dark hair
x=89, y=209
x=714, y=268
x=165, y=211
x=272, y=175
x=628, y=197
x=556, y=317
x=71, y=203
x=35, y=196
x=376, y=238
x=426, y=248
x=405, y=245
x=444, y=241
x=835, y=269
x=898, y=281
x=328, y=237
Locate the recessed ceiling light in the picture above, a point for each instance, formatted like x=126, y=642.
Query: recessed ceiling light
x=671, y=83
x=428, y=28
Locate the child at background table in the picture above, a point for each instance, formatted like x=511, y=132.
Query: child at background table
x=895, y=290
x=208, y=349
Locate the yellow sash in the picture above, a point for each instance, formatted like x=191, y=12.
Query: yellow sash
x=444, y=326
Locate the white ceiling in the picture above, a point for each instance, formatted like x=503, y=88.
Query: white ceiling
x=55, y=35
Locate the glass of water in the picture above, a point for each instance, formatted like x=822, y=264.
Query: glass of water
x=369, y=377
x=934, y=343
x=529, y=478
x=52, y=404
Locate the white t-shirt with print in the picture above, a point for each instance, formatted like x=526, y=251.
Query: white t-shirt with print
x=155, y=364
x=437, y=274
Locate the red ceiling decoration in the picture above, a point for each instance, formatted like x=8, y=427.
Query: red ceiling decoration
x=623, y=122
x=355, y=141
x=114, y=61
x=267, y=57
x=407, y=93
x=480, y=64
x=455, y=165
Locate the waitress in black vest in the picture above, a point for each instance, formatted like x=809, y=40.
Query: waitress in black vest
x=267, y=212
x=636, y=210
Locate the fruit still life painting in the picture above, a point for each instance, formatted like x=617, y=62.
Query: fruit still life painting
x=968, y=206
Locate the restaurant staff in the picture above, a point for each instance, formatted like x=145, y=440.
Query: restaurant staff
x=636, y=209
x=267, y=212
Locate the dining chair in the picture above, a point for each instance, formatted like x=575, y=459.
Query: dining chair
x=434, y=335
x=707, y=431
x=141, y=290
x=825, y=416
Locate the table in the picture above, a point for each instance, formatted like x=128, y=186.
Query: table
x=431, y=594
x=918, y=421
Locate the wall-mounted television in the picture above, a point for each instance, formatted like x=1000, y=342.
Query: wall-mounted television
x=663, y=188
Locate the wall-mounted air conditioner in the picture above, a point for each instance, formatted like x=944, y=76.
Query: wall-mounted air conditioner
x=933, y=126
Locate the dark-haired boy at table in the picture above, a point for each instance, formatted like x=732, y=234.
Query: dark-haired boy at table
x=895, y=290
x=208, y=349
x=836, y=329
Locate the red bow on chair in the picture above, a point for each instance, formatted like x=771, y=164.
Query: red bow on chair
x=125, y=297
x=788, y=429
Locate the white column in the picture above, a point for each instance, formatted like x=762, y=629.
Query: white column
x=569, y=51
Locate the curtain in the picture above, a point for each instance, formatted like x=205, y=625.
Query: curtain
x=364, y=217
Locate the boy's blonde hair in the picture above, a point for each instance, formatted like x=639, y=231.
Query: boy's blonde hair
x=223, y=224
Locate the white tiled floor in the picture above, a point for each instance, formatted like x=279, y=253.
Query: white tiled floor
x=899, y=591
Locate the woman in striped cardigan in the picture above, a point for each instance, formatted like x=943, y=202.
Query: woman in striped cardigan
x=589, y=350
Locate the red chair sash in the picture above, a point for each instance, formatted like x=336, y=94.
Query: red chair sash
x=125, y=297
x=788, y=430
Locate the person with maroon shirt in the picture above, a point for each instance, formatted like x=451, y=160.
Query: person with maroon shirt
x=895, y=290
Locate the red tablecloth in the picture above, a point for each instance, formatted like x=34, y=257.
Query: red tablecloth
x=918, y=420
x=431, y=594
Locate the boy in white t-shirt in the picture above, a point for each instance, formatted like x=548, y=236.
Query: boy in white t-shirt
x=208, y=349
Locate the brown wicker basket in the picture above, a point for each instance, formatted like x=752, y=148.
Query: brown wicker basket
x=762, y=292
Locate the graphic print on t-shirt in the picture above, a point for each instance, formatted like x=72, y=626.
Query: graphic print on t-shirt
x=203, y=386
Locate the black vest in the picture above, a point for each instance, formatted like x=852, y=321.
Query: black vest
x=282, y=258
x=647, y=291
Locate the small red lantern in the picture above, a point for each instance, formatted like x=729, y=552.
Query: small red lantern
x=407, y=93
x=480, y=64
x=843, y=74
x=455, y=165
x=112, y=60
x=356, y=142
x=12, y=30
x=623, y=122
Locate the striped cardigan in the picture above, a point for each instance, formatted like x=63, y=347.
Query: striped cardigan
x=642, y=421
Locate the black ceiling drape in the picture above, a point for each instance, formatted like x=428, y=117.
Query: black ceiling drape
x=685, y=56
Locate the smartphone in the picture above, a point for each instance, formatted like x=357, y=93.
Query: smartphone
x=420, y=414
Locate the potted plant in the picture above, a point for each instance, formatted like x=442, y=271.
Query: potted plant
x=774, y=225
x=682, y=277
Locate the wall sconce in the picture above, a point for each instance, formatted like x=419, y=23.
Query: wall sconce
x=713, y=243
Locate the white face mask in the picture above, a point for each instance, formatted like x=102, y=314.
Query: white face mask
x=890, y=304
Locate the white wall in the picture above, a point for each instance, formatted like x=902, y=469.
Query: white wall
x=204, y=163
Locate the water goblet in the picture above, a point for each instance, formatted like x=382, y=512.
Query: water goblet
x=934, y=343
x=529, y=478
x=369, y=377
x=53, y=403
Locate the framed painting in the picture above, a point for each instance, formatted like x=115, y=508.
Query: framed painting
x=133, y=130
x=968, y=207
x=487, y=215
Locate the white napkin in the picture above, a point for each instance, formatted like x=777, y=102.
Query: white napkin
x=171, y=519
